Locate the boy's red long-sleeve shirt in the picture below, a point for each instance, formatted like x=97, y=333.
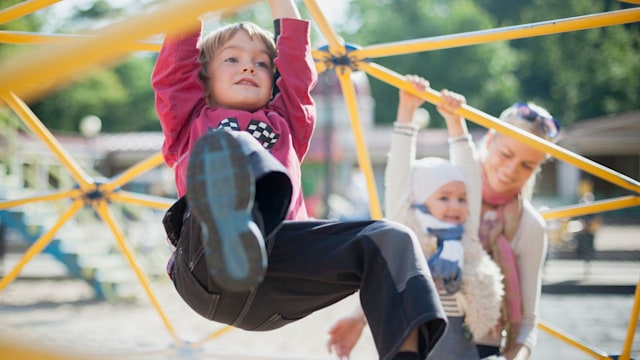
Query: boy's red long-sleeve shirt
x=284, y=126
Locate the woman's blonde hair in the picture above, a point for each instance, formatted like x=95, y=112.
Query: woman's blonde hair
x=512, y=115
x=209, y=45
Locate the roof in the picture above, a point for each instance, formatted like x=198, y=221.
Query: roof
x=607, y=135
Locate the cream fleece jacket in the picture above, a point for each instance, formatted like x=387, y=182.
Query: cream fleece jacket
x=481, y=293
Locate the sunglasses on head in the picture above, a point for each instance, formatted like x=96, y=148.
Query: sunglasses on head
x=548, y=124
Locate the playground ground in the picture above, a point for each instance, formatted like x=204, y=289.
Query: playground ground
x=45, y=309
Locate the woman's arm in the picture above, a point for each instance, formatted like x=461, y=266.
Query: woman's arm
x=344, y=334
x=530, y=246
x=517, y=352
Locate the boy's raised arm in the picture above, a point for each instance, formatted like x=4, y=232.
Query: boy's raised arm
x=284, y=9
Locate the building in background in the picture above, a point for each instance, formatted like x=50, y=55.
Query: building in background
x=332, y=181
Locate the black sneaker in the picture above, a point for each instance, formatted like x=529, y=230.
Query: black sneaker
x=220, y=193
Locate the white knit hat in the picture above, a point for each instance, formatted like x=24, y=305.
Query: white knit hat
x=429, y=174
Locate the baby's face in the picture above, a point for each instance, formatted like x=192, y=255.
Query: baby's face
x=449, y=203
x=241, y=74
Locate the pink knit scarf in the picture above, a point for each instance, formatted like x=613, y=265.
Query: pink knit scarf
x=500, y=218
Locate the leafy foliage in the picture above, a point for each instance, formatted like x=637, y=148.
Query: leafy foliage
x=25, y=23
x=120, y=95
x=483, y=73
x=576, y=75
x=581, y=74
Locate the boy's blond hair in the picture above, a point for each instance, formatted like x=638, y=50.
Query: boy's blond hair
x=210, y=43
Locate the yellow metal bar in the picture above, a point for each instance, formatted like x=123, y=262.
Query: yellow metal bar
x=554, y=150
x=599, y=206
x=30, y=75
x=572, y=341
x=336, y=43
x=36, y=126
x=40, y=244
x=57, y=195
x=633, y=323
x=491, y=122
x=141, y=199
x=22, y=37
x=500, y=34
x=134, y=171
x=323, y=60
x=103, y=210
x=23, y=8
x=23, y=350
x=216, y=334
x=344, y=75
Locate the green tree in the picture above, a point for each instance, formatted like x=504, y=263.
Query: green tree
x=586, y=73
x=484, y=73
x=26, y=23
x=581, y=74
x=94, y=94
x=120, y=95
x=576, y=75
x=139, y=114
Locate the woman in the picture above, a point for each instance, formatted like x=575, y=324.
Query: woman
x=511, y=230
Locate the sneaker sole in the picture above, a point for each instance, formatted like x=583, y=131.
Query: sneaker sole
x=220, y=192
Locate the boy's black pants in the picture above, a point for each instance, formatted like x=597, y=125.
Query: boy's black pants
x=311, y=265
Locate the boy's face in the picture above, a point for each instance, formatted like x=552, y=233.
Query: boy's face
x=449, y=203
x=241, y=74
